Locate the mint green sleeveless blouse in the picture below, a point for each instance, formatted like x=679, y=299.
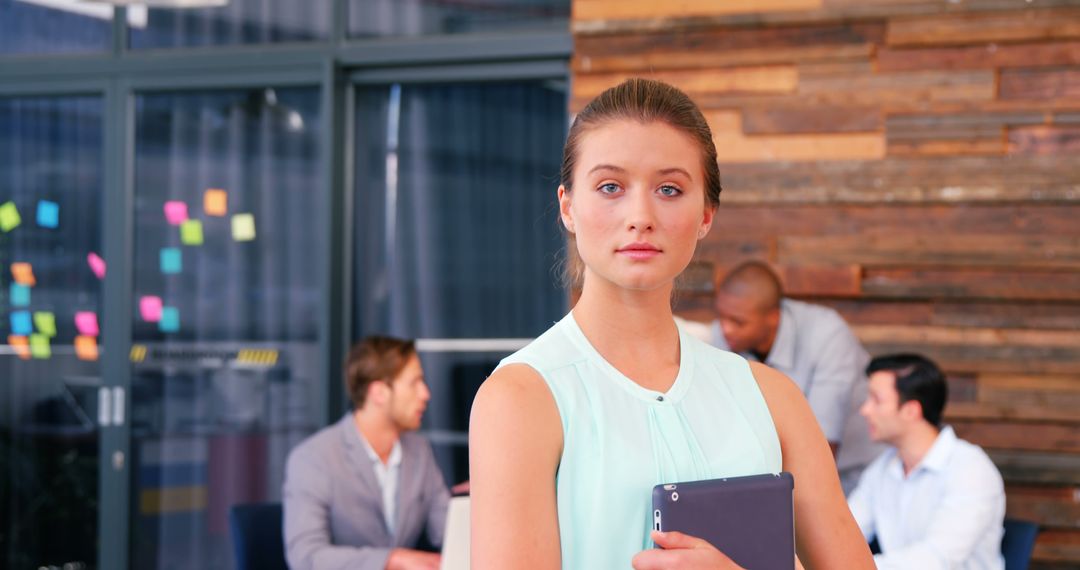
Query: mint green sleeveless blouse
x=619, y=439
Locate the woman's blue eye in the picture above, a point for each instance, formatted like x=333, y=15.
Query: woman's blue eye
x=609, y=188
x=669, y=191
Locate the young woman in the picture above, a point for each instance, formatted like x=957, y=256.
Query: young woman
x=569, y=435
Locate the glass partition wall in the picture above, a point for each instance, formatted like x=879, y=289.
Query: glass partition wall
x=200, y=210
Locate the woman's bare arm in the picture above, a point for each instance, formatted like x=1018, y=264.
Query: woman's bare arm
x=515, y=442
x=826, y=535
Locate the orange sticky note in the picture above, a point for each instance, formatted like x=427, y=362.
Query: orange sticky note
x=21, y=345
x=216, y=202
x=23, y=274
x=86, y=347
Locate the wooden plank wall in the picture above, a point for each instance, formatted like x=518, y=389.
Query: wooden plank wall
x=914, y=164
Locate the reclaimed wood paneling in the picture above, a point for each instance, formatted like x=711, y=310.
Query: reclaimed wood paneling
x=734, y=146
x=963, y=250
x=845, y=219
x=1040, y=84
x=954, y=283
x=965, y=313
x=998, y=26
x=912, y=164
x=767, y=120
x=1052, y=140
x=958, y=180
x=648, y=9
x=987, y=56
x=1048, y=506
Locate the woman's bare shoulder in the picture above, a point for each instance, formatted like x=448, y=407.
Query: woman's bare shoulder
x=515, y=397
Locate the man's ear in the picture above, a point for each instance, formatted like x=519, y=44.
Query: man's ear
x=564, y=209
x=378, y=392
x=911, y=410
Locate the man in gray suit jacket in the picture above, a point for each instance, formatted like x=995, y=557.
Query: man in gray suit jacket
x=360, y=493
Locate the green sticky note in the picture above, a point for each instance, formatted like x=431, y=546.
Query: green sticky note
x=39, y=346
x=9, y=216
x=45, y=323
x=243, y=227
x=191, y=232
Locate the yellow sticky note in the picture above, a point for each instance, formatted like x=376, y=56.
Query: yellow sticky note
x=45, y=323
x=86, y=347
x=39, y=346
x=21, y=345
x=9, y=217
x=23, y=273
x=216, y=202
x=243, y=227
x=191, y=232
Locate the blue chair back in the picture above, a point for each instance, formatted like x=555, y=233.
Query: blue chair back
x=1018, y=542
x=257, y=536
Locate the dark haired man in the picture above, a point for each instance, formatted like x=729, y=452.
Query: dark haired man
x=809, y=343
x=932, y=500
x=360, y=493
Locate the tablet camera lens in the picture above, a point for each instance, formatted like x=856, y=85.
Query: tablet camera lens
x=675, y=496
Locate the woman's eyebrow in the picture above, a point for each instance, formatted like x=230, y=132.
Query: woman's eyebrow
x=607, y=167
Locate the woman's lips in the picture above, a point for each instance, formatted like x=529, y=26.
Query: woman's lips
x=639, y=251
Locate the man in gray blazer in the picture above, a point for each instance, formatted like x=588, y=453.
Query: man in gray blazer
x=360, y=493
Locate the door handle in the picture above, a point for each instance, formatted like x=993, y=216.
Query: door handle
x=118, y=406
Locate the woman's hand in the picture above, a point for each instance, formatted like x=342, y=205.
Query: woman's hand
x=681, y=551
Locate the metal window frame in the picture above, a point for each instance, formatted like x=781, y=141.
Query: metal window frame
x=337, y=66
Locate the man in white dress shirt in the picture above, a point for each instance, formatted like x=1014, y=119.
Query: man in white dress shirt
x=932, y=500
x=809, y=343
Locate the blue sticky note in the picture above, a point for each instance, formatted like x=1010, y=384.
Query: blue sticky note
x=20, y=295
x=21, y=323
x=170, y=319
x=48, y=214
x=172, y=260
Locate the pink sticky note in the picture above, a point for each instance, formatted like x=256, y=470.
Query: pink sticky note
x=86, y=323
x=97, y=265
x=176, y=212
x=150, y=307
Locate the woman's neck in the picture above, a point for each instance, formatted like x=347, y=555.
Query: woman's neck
x=633, y=330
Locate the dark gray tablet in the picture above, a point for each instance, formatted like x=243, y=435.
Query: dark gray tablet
x=750, y=519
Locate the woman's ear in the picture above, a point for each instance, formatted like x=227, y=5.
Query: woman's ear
x=706, y=222
x=564, y=209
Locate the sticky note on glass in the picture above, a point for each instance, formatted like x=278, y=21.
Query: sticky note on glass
x=170, y=319
x=39, y=346
x=97, y=265
x=172, y=260
x=191, y=232
x=215, y=202
x=86, y=323
x=9, y=216
x=21, y=346
x=176, y=212
x=48, y=214
x=21, y=323
x=150, y=308
x=23, y=274
x=86, y=347
x=20, y=295
x=45, y=323
x=243, y=227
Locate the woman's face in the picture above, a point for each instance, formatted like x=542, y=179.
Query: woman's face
x=637, y=207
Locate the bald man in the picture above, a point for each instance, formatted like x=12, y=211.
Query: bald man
x=811, y=344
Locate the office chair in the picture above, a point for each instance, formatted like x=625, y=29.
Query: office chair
x=257, y=536
x=1018, y=542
